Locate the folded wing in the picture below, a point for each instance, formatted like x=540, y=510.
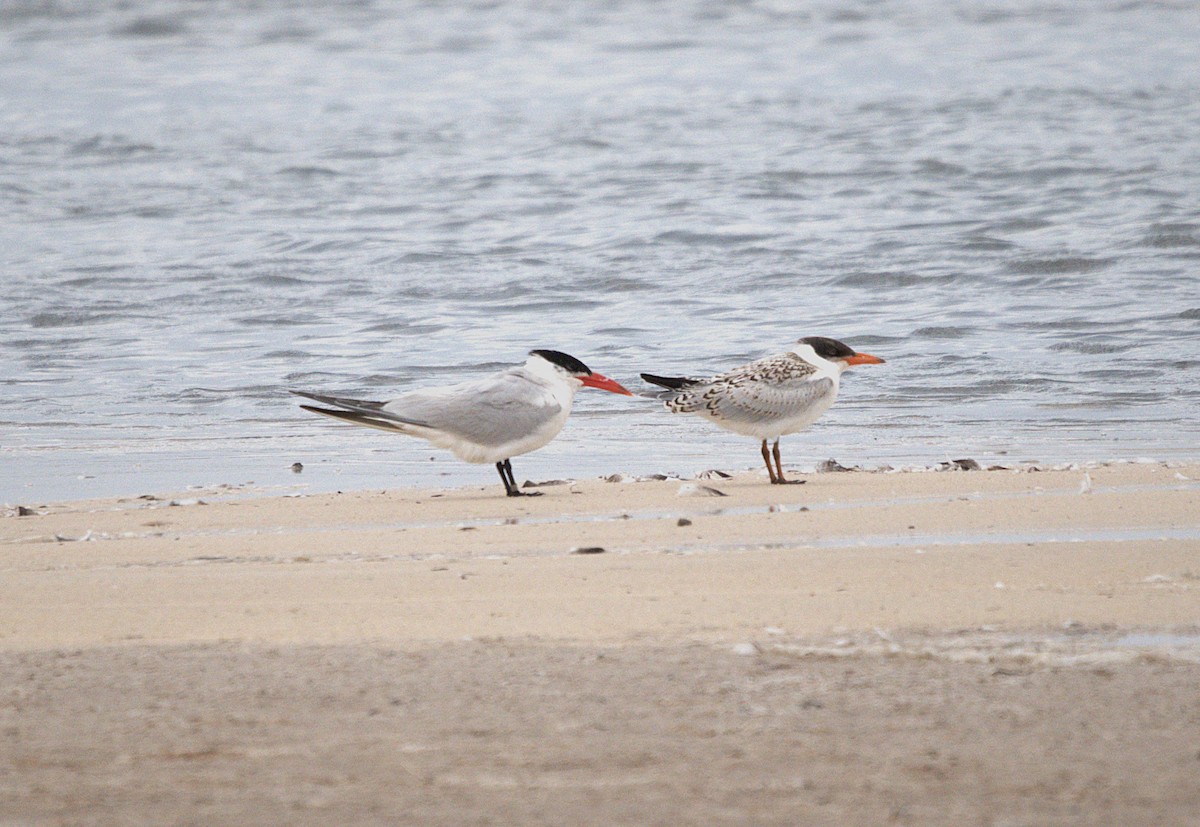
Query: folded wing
x=498, y=409
x=771, y=389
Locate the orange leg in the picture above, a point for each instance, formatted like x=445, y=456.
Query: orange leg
x=767, y=459
x=778, y=478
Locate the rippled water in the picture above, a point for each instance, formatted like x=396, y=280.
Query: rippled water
x=207, y=203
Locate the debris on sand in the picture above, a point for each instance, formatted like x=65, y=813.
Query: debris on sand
x=692, y=489
x=965, y=464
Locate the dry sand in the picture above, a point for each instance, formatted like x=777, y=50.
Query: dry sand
x=1000, y=647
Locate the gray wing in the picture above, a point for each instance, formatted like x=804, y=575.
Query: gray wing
x=766, y=390
x=490, y=411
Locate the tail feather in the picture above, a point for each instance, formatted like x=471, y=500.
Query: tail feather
x=676, y=388
x=674, y=383
x=359, y=418
x=364, y=407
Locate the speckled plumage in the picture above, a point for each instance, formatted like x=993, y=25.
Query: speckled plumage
x=768, y=397
x=765, y=394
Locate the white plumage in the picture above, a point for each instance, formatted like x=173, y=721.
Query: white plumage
x=488, y=420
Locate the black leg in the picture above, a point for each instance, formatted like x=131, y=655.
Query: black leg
x=780, y=479
x=510, y=482
x=767, y=460
x=504, y=479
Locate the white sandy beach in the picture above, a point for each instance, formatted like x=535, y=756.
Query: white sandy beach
x=1005, y=646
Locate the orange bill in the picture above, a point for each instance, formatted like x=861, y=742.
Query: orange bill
x=863, y=359
x=601, y=382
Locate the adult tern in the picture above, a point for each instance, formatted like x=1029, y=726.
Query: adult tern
x=488, y=420
x=769, y=397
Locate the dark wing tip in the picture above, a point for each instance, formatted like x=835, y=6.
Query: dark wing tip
x=673, y=382
x=363, y=405
x=320, y=397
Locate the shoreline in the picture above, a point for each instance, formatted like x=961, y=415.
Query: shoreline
x=117, y=473
x=299, y=487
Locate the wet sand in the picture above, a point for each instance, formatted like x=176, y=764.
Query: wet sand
x=1000, y=647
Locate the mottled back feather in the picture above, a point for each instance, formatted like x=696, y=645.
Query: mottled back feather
x=763, y=390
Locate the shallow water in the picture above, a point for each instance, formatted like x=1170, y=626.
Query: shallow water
x=206, y=204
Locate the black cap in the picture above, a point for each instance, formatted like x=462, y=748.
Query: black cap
x=563, y=360
x=828, y=348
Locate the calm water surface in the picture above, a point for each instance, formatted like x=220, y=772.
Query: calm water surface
x=207, y=203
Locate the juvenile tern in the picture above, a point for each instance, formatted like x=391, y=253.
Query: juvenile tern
x=488, y=420
x=769, y=397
